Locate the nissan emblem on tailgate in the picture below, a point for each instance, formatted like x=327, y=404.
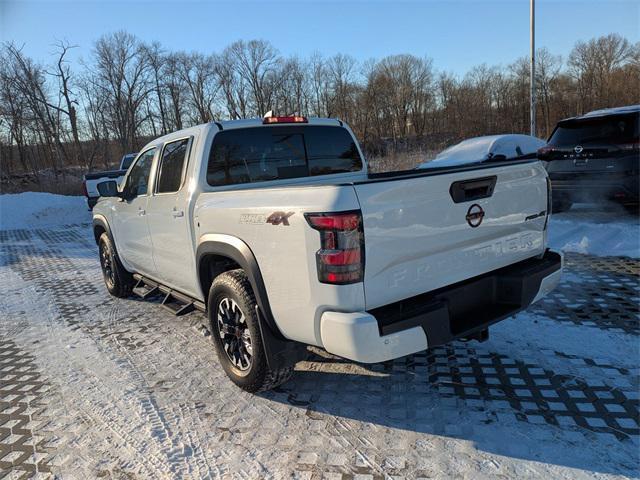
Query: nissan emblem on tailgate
x=475, y=214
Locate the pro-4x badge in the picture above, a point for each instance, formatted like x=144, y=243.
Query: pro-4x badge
x=278, y=218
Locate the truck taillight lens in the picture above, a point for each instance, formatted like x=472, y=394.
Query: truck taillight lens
x=340, y=260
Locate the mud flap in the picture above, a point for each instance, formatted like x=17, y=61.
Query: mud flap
x=280, y=353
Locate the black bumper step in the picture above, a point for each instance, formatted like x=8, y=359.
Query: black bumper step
x=463, y=309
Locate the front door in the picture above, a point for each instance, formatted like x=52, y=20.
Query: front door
x=133, y=239
x=169, y=221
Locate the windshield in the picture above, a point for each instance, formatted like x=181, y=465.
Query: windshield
x=126, y=161
x=492, y=148
x=610, y=130
x=260, y=154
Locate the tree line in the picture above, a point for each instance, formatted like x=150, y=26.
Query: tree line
x=54, y=115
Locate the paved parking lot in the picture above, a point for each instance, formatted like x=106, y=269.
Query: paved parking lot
x=95, y=386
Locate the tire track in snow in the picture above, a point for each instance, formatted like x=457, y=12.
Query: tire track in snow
x=84, y=402
x=152, y=462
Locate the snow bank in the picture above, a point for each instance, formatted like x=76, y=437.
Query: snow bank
x=37, y=209
x=595, y=233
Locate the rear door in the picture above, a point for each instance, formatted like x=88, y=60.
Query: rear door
x=169, y=222
x=419, y=238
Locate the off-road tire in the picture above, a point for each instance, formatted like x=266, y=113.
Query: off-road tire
x=235, y=285
x=119, y=282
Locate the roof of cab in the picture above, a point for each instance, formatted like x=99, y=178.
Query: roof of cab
x=258, y=122
x=233, y=124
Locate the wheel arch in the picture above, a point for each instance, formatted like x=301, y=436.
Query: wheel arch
x=218, y=247
x=100, y=226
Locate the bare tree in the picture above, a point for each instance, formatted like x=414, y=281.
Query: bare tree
x=199, y=75
x=547, y=71
x=257, y=64
x=121, y=71
x=341, y=71
x=56, y=115
x=65, y=84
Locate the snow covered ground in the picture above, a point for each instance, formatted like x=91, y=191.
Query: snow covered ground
x=594, y=230
x=37, y=210
x=95, y=386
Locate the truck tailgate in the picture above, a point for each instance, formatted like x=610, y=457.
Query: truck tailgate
x=418, y=238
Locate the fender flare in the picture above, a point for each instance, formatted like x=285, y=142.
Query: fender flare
x=280, y=352
x=100, y=221
x=238, y=251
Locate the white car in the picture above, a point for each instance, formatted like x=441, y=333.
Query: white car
x=277, y=231
x=491, y=147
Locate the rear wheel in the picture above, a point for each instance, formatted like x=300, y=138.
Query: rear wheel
x=118, y=281
x=236, y=334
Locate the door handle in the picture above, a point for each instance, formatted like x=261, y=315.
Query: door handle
x=141, y=211
x=177, y=213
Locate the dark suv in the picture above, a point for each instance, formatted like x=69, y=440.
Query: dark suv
x=595, y=158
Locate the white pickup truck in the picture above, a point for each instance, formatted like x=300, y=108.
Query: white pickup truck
x=277, y=231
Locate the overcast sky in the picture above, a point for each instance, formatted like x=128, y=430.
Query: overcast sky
x=456, y=34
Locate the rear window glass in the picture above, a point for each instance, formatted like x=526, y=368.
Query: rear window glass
x=271, y=153
x=611, y=130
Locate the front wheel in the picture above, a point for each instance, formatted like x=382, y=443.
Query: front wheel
x=236, y=334
x=118, y=281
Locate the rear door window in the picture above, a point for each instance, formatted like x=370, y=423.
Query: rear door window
x=261, y=154
x=171, y=166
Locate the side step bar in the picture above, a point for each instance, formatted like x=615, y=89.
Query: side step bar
x=145, y=291
x=176, y=302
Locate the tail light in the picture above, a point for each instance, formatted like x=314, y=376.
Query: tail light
x=340, y=260
x=84, y=189
x=545, y=152
x=290, y=119
x=630, y=147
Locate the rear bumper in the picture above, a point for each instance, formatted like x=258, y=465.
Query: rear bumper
x=594, y=187
x=435, y=318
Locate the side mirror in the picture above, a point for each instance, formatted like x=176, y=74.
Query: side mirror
x=108, y=188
